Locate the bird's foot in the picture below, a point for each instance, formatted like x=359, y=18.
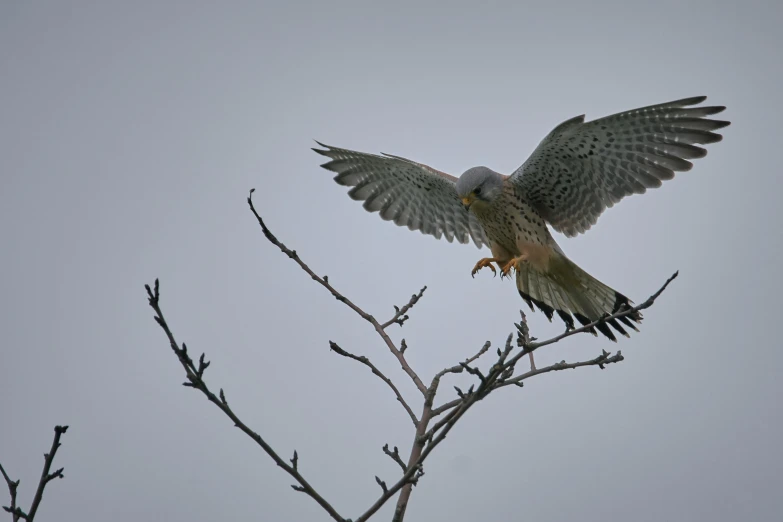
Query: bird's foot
x=487, y=261
x=505, y=270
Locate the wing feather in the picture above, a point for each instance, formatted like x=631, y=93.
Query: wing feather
x=407, y=193
x=580, y=169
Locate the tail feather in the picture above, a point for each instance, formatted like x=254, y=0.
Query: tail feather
x=574, y=294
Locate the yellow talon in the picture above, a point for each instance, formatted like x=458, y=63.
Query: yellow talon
x=505, y=270
x=487, y=261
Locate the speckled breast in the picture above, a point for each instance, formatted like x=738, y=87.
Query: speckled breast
x=511, y=222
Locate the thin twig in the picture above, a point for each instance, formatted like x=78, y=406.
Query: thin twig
x=46, y=477
x=600, y=361
x=16, y=512
x=195, y=380
x=603, y=359
x=399, y=313
x=323, y=281
x=406, y=481
x=420, y=452
x=364, y=360
x=443, y=408
x=411, y=469
x=445, y=420
x=382, y=484
x=295, y=461
x=459, y=368
x=395, y=456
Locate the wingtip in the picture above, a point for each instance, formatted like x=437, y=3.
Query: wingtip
x=694, y=100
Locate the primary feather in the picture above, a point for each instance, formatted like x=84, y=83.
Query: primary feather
x=581, y=168
x=408, y=193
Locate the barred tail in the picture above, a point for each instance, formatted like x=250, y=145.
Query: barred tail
x=571, y=292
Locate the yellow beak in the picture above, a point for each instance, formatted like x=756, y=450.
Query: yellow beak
x=467, y=201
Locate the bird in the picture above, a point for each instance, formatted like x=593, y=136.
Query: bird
x=577, y=171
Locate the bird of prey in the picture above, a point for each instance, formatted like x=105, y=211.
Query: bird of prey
x=575, y=173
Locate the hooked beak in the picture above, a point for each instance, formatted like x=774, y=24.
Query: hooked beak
x=467, y=201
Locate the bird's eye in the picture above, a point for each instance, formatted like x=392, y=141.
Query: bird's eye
x=477, y=191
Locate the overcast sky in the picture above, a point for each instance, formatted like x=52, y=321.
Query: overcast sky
x=130, y=134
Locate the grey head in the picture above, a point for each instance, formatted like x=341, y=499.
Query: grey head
x=479, y=185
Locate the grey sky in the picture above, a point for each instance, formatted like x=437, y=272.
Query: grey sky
x=130, y=133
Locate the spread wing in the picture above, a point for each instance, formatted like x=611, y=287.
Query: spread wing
x=581, y=168
x=408, y=193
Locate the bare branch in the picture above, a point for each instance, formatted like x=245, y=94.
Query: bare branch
x=500, y=374
x=415, y=469
x=395, y=456
x=446, y=407
x=196, y=381
x=523, y=337
x=364, y=360
x=490, y=382
x=445, y=420
x=459, y=368
x=474, y=371
x=411, y=469
x=530, y=347
x=13, y=485
x=523, y=332
x=600, y=361
x=399, y=313
x=46, y=476
x=323, y=281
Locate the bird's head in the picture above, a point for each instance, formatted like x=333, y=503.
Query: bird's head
x=479, y=186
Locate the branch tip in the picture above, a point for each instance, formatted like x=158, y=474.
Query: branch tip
x=382, y=484
x=202, y=366
x=400, y=313
x=295, y=461
x=366, y=361
x=395, y=456
x=46, y=477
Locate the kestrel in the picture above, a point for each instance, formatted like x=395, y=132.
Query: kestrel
x=575, y=173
